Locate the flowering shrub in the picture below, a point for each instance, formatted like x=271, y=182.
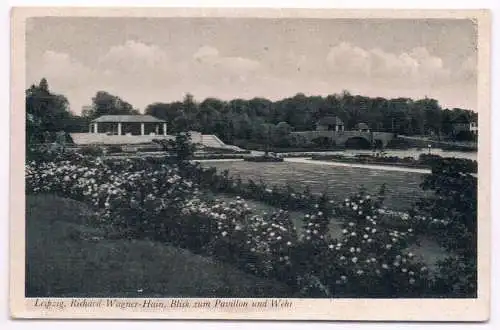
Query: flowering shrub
x=260, y=244
x=378, y=258
x=264, y=246
x=150, y=198
x=181, y=147
x=457, y=277
x=451, y=217
x=143, y=201
x=367, y=261
x=452, y=211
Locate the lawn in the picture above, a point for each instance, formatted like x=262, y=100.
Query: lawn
x=402, y=188
x=69, y=255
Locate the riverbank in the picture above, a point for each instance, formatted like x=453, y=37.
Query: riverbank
x=381, y=167
x=378, y=163
x=423, y=162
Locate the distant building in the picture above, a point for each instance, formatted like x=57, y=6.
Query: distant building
x=465, y=127
x=474, y=127
x=128, y=125
x=330, y=123
x=362, y=127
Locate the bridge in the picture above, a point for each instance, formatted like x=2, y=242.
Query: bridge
x=341, y=138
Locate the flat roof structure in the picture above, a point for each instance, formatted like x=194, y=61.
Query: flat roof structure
x=127, y=119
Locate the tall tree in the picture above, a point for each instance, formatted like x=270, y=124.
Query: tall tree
x=45, y=112
x=104, y=103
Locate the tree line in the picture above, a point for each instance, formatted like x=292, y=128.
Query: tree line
x=257, y=120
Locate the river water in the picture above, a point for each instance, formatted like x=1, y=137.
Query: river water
x=354, y=165
x=413, y=152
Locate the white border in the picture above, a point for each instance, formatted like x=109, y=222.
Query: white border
x=342, y=4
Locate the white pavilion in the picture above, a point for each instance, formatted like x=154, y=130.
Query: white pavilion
x=128, y=125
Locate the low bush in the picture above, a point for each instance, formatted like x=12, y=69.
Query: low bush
x=450, y=215
x=264, y=159
x=224, y=151
x=91, y=151
x=152, y=148
x=217, y=156
x=114, y=150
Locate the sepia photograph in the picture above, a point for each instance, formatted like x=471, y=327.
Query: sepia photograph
x=235, y=162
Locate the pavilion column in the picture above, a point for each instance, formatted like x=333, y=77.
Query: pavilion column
x=96, y=128
x=157, y=128
x=90, y=128
x=164, y=128
x=119, y=128
x=142, y=128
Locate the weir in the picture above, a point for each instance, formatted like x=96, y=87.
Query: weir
x=342, y=137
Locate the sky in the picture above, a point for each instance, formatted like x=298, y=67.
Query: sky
x=147, y=60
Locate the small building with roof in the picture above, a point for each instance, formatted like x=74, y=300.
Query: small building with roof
x=330, y=123
x=128, y=125
x=466, y=126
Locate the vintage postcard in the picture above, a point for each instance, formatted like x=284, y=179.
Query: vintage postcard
x=250, y=164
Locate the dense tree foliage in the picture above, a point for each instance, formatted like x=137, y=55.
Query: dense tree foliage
x=104, y=103
x=257, y=120
x=47, y=113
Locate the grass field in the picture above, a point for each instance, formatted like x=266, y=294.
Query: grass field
x=402, y=188
x=67, y=255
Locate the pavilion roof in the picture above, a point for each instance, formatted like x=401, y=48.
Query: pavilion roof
x=127, y=119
